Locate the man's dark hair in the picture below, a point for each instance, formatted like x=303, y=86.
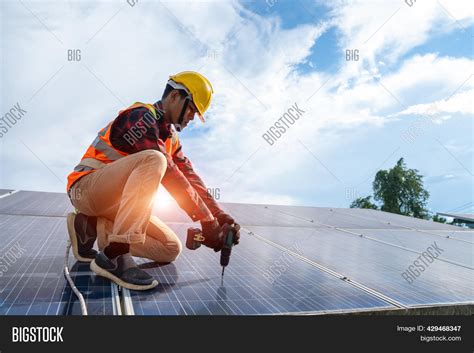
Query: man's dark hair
x=168, y=90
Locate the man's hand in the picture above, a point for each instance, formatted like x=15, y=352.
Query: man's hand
x=224, y=218
x=212, y=232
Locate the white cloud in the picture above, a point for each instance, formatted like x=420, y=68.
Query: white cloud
x=458, y=103
x=387, y=29
x=251, y=62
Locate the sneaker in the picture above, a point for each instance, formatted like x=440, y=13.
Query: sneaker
x=123, y=271
x=82, y=233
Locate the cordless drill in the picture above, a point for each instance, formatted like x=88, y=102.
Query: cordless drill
x=195, y=238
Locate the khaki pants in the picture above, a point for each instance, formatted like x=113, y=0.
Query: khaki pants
x=121, y=195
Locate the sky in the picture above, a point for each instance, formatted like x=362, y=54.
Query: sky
x=374, y=81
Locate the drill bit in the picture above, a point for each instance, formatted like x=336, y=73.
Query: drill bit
x=223, y=268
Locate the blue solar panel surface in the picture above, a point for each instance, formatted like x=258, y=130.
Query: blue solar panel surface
x=32, y=260
x=288, y=263
x=259, y=280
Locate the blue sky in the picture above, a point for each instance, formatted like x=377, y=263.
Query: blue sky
x=413, y=78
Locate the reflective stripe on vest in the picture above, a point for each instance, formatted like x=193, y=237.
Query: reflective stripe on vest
x=110, y=152
x=89, y=164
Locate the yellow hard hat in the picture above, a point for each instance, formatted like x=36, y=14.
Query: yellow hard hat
x=197, y=86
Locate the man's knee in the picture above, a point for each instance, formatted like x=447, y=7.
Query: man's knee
x=172, y=251
x=153, y=157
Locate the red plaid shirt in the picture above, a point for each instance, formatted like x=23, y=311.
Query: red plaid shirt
x=180, y=179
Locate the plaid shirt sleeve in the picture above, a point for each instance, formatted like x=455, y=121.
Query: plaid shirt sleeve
x=131, y=133
x=184, y=164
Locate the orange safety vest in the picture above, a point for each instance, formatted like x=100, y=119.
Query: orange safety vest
x=101, y=151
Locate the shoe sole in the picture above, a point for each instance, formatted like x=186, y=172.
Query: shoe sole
x=73, y=237
x=104, y=273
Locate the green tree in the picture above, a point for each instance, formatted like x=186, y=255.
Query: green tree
x=363, y=202
x=401, y=191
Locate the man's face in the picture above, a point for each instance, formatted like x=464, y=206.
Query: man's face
x=173, y=108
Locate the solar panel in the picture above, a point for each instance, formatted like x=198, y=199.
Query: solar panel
x=296, y=260
x=464, y=235
x=31, y=281
x=376, y=265
x=454, y=251
x=321, y=217
x=5, y=191
x=399, y=220
x=192, y=284
x=36, y=203
x=261, y=215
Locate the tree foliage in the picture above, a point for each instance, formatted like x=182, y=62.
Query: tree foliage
x=401, y=191
x=363, y=202
x=398, y=190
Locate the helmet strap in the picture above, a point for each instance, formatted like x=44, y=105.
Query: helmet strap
x=183, y=111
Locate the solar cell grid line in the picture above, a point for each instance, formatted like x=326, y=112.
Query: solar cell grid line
x=375, y=216
x=10, y=242
x=67, y=298
x=432, y=232
x=46, y=266
x=356, y=233
x=178, y=301
x=103, y=299
x=318, y=298
x=286, y=288
x=31, y=278
x=331, y=272
x=184, y=256
x=34, y=260
x=142, y=310
x=60, y=296
x=459, y=254
x=185, y=301
x=165, y=271
x=402, y=220
x=445, y=282
x=245, y=215
x=317, y=216
x=274, y=296
x=42, y=282
x=66, y=305
x=258, y=296
x=466, y=236
x=192, y=287
x=39, y=228
x=292, y=292
x=207, y=288
x=238, y=278
x=353, y=213
x=201, y=276
x=321, y=267
x=36, y=203
x=240, y=295
x=175, y=304
x=405, y=248
x=197, y=270
x=58, y=276
x=25, y=229
x=423, y=231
